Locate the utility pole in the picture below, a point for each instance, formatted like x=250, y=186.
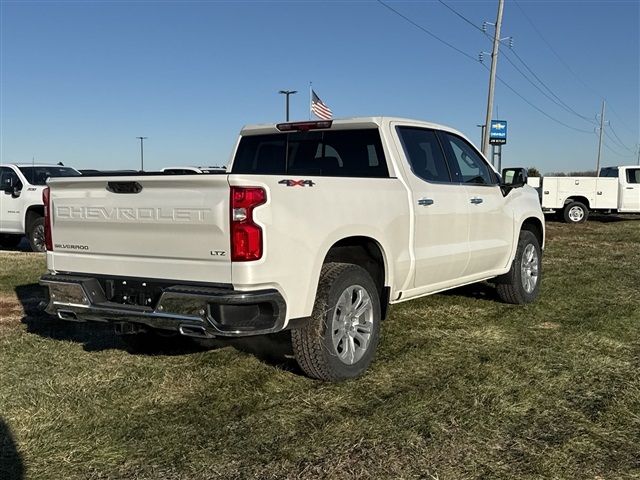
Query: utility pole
x=142, y=139
x=287, y=93
x=600, y=139
x=492, y=79
x=639, y=154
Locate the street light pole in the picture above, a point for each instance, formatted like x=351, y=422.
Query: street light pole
x=142, y=139
x=287, y=93
x=481, y=134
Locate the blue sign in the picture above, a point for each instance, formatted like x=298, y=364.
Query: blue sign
x=498, y=132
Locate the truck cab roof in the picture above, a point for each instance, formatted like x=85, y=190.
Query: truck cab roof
x=351, y=122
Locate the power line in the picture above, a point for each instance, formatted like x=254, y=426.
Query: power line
x=433, y=35
x=565, y=64
x=462, y=16
x=466, y=55
x=624, y=124
x=558, y=102
x=553, y=98
x=553, y=50
x=616, y=140
x=540, y=110
x=617, y=153
x=564, y=105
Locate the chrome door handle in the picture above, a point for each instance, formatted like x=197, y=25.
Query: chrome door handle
x=629, y=188
x=476, y=200
x=425, y=202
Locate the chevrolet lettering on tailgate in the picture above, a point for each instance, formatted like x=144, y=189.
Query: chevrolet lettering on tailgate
x=124, y=214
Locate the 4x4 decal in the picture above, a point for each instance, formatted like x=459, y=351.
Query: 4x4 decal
x=297, y=183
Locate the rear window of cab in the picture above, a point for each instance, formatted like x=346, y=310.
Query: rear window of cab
x=338, y=153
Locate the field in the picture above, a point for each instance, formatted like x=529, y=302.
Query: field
x=463, y=387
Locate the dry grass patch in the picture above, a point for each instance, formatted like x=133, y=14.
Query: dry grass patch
x=463, y=387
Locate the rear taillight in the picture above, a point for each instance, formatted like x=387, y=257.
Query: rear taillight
x=246, y=236
x=46, y=200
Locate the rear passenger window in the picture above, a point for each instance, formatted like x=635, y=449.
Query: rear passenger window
x=338, y=153
x=633, y=175
x=471, y=168
x=424, y=154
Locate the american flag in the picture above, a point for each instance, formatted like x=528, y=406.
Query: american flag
x=319, y=109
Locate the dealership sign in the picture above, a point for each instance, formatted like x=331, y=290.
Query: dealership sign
x=498, y=132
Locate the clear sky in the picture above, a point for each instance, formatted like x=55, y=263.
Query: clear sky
x=81, y=79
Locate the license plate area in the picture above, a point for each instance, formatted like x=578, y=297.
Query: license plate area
x=132, y=292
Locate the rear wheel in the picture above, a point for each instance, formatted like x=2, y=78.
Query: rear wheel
x=575, y=212
x=522, y=284
x=35, y=234
x=340, y=338
x=10, y=241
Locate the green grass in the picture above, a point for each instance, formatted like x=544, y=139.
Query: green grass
x=463, y=387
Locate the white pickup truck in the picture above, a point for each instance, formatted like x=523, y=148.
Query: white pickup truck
x=21, y=207
x=314, y=227
x=615, y=190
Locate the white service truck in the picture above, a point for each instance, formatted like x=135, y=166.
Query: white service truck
x=21, y=207
x=615, y=190
x=314, y=227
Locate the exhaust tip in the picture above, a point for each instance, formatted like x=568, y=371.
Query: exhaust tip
x=194, y=331
x=67, y=315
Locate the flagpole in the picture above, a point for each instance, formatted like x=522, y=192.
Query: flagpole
x=310, y=99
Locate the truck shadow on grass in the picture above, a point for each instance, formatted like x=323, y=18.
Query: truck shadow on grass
x=612, y=218
x=596, y=217
x=23, y=246
x=479, y=291
x=273, y=349
x=11, y=464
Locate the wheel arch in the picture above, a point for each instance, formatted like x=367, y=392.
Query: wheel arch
x=577, y=198
x=535, y=226
x=32, y=212
x=369, y=254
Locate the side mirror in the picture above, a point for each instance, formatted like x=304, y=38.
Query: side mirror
x=8, y=187
x=514, y=177
x=11, y=187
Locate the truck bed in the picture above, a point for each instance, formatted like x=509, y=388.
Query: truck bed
x=601, y=193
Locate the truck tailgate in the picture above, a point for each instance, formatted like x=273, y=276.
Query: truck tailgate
x=166, y=227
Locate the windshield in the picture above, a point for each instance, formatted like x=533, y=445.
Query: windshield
x=39, y=175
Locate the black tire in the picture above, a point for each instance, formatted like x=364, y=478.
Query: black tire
x=511, y=286
x=35, y=235
x=313, y=345
x=10, y=241
x=575, y=212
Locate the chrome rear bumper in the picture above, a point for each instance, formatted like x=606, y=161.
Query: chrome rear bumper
x=191, y=310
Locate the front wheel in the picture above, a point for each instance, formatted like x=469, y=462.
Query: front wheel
x=522, y=283
x=340, y=338
x=36, y=235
